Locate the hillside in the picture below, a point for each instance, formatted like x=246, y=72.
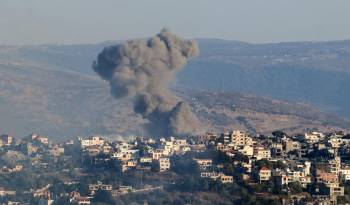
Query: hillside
x=313, y=72
x=225, y=111
x=64, y=104
x=316, y=73
x=52, y=89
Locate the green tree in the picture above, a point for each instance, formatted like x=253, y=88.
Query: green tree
x=240, y=157
x=279, y=134
x=295, y=187
x=221, y=157
x=102, y=196
x=182, y=165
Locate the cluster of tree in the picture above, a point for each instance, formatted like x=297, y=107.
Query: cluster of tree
x=270, y=164
x=184, y=165
x=321, y=154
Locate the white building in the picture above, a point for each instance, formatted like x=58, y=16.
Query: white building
x=204, y=163
x=246, y=150
x=313, y=137
x=91, y=141
x=262, y=153
x=240, y=139
x=264, y=174
x=217, y=176
x=345, y=173
x=164, y=164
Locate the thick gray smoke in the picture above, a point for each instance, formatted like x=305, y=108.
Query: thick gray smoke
x=144, y=70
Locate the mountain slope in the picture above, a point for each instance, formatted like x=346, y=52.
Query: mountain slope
x=311, y=72
x=52, y=89
x=63, y=104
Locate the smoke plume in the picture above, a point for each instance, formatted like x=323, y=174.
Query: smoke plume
x=143, y=70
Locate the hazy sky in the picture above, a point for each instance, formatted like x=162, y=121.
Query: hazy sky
x=88, y=21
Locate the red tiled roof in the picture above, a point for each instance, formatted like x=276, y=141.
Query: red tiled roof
x=264, y=169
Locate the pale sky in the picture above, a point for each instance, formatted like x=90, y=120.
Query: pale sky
x=91, y=21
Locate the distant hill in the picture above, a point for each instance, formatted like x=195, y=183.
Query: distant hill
x=311, y=72
x=52, y=89
x=63, y=104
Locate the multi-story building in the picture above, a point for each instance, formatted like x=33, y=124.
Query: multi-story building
x=74, y=197
x=281, y=178
x=345, y=173
x=145, y=160
x=128, y=164
x=106, y=148
x=264, y=174
x=99, y=186
x=277, y=149
x=92, y=141
x=335, y=142
x=158, y=153
x=290, y=145
x=217, y=176
x=204, y=163
x=262, y=153
x=126, y=154
x=336, y=191
x=240, y=139
x=313, y=137
x=248, y=166
x=6, y=140
x=164, y=164
x=40, y=138
x=246, y=150
x=330, y=179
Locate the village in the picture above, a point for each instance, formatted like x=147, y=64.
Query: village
x=309, y=168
